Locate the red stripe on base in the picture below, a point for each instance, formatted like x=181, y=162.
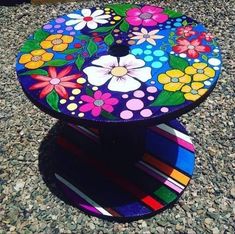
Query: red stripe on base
x=119, y=180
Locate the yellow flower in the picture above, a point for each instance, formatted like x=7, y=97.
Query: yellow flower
x=194, y=91
x=35, y=59
x=174, y=79
x=200, y=71
x=57, y=42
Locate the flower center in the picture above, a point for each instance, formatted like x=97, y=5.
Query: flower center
x=98, y=102
x=146, y=36
x=57, y=41
x=191, y=47
x=146, y=15
x=174, y=79
x=119, y=71
x=55, y=81
x=193, y=91
x=87, y=18
x=200, y=71
x=36, y=58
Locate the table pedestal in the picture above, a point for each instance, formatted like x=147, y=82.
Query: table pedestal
x=124, y=174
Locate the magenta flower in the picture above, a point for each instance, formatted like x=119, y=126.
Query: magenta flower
x=146, y=16
x=98, y=103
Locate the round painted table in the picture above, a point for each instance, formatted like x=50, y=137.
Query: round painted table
x=119, y=76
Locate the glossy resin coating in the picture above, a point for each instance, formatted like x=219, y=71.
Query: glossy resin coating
x=119, y=64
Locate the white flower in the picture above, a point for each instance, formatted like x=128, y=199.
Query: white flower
x=144, y=35
x=124, y=75
x=87, y=18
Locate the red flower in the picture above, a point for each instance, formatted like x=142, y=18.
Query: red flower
x=191, y=48
x=55, y=81
x=207, y=36
x=186, y=31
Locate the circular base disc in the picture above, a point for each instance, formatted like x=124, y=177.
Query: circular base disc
x=112, y=190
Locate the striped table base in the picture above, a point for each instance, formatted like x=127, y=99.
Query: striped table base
x=119, y=193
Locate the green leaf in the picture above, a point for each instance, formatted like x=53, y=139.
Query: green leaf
x=35, y=72
x=104, y=29
x=83, y=37
x=109, y=39
x=172, y=14
x=56, y=63
x=92, y=47
x=124, y=26
x=120, y=9
x=178, y=63
x=29, y=46
x=40, y=35
x=79, y=62
x=171, y=42
x=53, y=100
x=167, y=98
x=185, y=23
x=172, y=34
x=71, y=51
x=108, y=115
x=204, y=57
x=89, y=91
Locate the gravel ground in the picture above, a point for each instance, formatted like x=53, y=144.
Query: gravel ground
x=28, y=206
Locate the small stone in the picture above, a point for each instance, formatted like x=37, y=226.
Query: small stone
x=144, y=224
x=92, y=226
x=232, y=192
x=215, y=230
x=19, y=185
x=179, y=227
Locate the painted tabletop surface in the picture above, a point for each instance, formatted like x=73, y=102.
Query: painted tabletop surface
x=67, y=70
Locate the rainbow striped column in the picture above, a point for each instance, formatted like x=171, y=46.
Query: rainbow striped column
x=111, y=191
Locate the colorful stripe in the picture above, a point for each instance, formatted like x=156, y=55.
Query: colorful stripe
x=165, y=168
x=160, y=176
x=165, y=194
x=170, y=152
x=118, y=179
x=92, y=203
x=172, y=135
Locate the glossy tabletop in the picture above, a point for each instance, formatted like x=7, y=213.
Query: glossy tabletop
x=119, y=64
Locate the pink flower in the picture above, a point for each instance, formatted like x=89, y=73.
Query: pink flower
x=207, y=36
x=191, y=48
x=186, y=31
x=55, y=81
x=98, y=103
x=146, y=16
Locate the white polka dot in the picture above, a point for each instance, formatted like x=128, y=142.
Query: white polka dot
x=207, y=82
x=150, y=98
x=126, y=114
x=214, y=61
x=196, y=60
x=72, y=106
x=63, y=101
x=146, y=113
x=164, y=109
x=216, y=50
x=71, y=98
x=134, y=104
x=152, y=89
x=125, y=96
x=183, y=55
x=152, y=82
x=216, y=68
x=172, y=52
x=139, y=93
x=80, y=115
